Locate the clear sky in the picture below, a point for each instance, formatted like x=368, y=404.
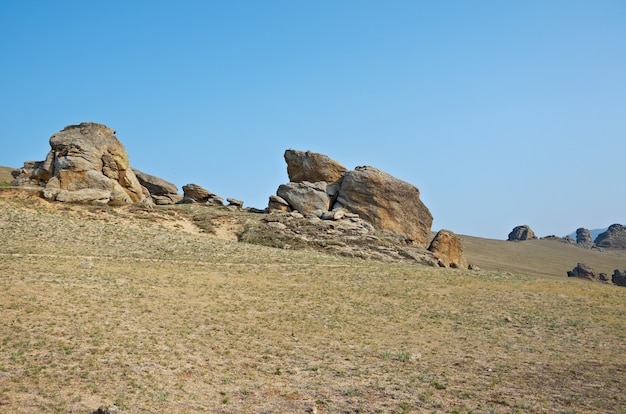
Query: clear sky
x=501, y=112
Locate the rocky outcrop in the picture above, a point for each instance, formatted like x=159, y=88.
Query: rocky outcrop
x=613, y=238
x=583, y=271
x=619, y=277
x=194, y=193
x=312, y=167
x=520, y=233
x=583, y=238
x=319, y=183
x=162, y=192
x=448, y=248
x=87, y=163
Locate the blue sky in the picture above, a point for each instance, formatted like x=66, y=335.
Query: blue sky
x=501, y=112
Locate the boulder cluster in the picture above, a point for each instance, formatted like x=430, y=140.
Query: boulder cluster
x=520, y=233
x=613, y=238
x=585, y=271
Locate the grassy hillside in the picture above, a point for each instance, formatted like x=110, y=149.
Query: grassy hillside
x=135, y=308
x=5, y=176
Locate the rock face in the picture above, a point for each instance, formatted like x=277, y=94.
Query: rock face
x=520, y=233
x=305, y=196
x=583, y=271
x=388, y=203
x=613, y=238
x=583, y=238
x=312, y=167
x=448, y=248
x=162, y=192
x=87, y=163
x=619, y=277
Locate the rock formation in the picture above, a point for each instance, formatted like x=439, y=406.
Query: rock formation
x=583, y=271
x=619, y=277
x=312, y=167
x=613, y=238
x=319, y=183
x=583, y=238
x=162, y=192
x=520, y=233
x=195, y=193
x=87, y=163
x=448, y=248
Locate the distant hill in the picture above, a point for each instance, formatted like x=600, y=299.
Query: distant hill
x=5, y=175
x=594, y=233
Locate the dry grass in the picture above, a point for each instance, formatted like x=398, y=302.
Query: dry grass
x=5, y=176
x=98, y=310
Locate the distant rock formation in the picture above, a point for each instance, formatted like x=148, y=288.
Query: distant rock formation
x=448, y=248
x=162, y=192
x=613, y=238
x=520, y=233
x=319, y=183
x=583, y=271
x=583, y=238
x=87, y=163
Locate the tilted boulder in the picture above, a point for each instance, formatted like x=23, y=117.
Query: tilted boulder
x=583, y=271
x=619, y=277
x=520, y=233
x=614, y=237
x=386, y=202
x=195, y=193
x=278, y=205
x=162, y=192
x=583, y=238
x=448, y=248
x=87, y=163
x=305, y=197
x=312, y=167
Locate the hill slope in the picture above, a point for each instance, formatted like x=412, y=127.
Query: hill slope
x=132, y=307
x=539, y=257
x=5, y=175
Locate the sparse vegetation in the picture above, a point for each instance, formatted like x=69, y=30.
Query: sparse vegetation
x=166, y=319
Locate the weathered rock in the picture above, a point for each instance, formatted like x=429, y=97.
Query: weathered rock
x=234, y=202
x=619, y=277
x=304, y=196
x=613, y=238
x=88, y=163
x=583, y=271
x=278, y=205
x=386, y=202
x=312, y=167
x=156, y=185
x=448, y=248
x=583, y=238
x=197, y=193
x=521, y=233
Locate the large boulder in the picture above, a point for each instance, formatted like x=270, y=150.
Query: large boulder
x=583, y=271
x=448, y=248
x=162, y=192
x=194, y=193
x=520, y=233
x=386, y=202
x=312, y=167
x=87, y=163
x=583, y=238
x=305, y=197
x=614, y=237
x=619, y=277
